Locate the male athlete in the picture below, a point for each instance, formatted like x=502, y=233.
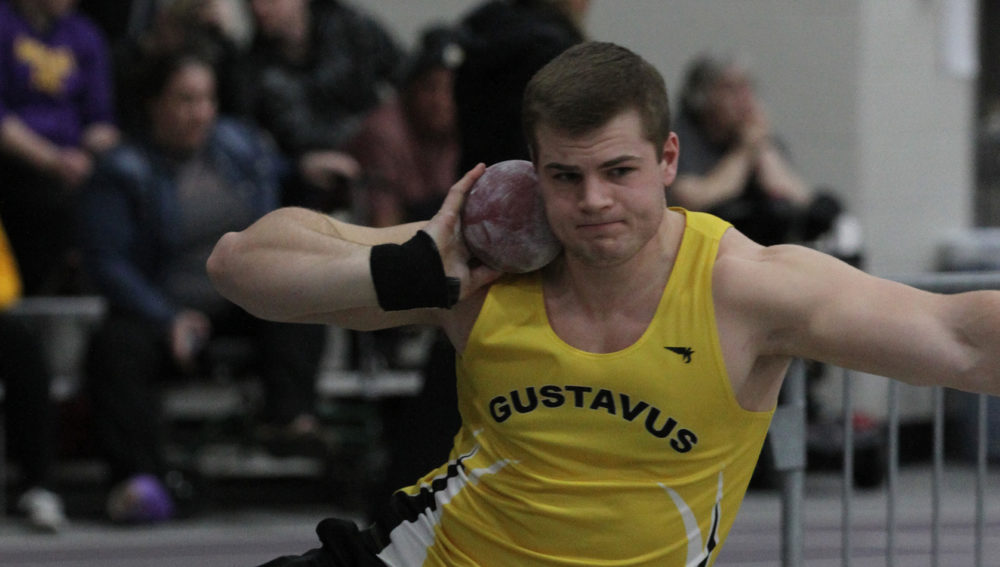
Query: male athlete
x=614, y=403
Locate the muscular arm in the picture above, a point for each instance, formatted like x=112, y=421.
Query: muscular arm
x=813, y=306
x=302, y=266
x=299, y=265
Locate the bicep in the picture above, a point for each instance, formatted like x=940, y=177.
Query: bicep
x=295, y=264
x=370, y=236
x=300, y=266
x=822, y=309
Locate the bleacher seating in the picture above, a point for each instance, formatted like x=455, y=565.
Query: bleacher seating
x=211, y=417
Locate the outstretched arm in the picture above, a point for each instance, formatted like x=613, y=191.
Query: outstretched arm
x=819, y=308
x=301, y=266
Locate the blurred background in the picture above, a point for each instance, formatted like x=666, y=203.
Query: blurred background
x=893, y=106
x=882, y=101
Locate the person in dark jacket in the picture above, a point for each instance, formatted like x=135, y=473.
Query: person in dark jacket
x=505, y=43
x=149, y=219
x=735, y=166
x=320, y=67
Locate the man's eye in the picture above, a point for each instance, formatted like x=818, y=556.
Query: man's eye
x=618, y=172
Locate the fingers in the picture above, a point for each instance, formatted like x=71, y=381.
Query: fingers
x=446, y=230
x=445, y=223
x=456, y=195
x=479, y=277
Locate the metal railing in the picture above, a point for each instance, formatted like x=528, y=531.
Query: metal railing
x=788, y=441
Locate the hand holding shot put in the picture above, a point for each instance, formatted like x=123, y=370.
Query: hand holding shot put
x=615, y=399
x=328, y=254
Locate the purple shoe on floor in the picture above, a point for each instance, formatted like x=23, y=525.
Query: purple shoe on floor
x=141, y=499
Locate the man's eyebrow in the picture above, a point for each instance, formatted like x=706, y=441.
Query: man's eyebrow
x=618, y=161
x=610, y=163
x=560, y=167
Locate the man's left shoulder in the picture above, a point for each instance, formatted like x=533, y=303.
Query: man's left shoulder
x=739, y=263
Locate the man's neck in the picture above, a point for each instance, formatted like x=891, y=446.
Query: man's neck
x=607, y=309
x=633, y=284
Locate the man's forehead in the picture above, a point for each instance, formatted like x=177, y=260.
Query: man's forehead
x=620, y=139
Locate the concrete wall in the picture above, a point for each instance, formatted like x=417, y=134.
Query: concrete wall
x=855, y=87
x=914, y=129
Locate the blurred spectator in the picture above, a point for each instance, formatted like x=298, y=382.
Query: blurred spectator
x=319, y=67
x=733, y=165
x=56, y=114
x=116, y=17
x=129, y=18
x=505, y=43
x=149, y=219
x=30, y=419
x=408, y=146
x=408, y=151
x=216, y=27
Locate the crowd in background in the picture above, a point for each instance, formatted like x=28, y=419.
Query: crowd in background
x=134, y=134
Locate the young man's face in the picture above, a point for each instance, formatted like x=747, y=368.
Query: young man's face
x=604, y=191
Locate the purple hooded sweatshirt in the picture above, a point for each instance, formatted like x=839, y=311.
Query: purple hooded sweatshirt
x=58, y=81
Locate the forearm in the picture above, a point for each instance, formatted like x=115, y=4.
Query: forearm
x=299, y=265
x=975, y=318
x=17, y=139
x=723, y=182
x=100, y=137
x=779, y=179
x=925, y=339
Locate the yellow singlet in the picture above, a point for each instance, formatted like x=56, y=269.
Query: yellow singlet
x=565, y=457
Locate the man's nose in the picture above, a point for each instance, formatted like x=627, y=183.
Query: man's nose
x=593, y=193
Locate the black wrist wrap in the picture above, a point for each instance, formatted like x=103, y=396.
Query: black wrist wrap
x=411, y=275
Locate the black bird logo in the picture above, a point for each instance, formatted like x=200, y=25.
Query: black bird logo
x=686, y=352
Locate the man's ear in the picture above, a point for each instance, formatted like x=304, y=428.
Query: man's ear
x=668, y=159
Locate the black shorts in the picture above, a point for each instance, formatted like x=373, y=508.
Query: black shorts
x=344, y=545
